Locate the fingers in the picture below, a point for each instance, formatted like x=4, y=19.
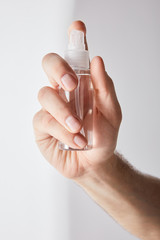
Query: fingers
x=106, y=99
x=45, y=124
x=59, y=72
x=59, y=109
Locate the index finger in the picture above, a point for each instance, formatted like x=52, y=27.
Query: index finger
x=59, y=72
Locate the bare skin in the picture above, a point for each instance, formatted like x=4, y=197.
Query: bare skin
x=130, y=197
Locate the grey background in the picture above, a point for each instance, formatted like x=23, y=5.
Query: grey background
x=35, y=201
x=127, y=35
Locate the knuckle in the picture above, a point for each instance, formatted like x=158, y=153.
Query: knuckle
x=111, y=82
x=43, y=92
x=46, y=120
x=64, y=108
x=36, y=119
x=48, y=57
x=119, y=115
x=41, y=120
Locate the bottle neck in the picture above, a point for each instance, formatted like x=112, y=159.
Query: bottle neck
x=79, y=68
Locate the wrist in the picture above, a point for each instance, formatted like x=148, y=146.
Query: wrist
x=102, y=172
x=114, y=175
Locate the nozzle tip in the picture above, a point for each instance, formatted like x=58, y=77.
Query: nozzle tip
x=76, y=40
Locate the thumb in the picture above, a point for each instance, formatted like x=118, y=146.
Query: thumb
x=105, y=96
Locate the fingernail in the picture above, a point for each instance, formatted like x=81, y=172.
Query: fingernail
x=73, y=124
x=68, y=81
x=80, y=141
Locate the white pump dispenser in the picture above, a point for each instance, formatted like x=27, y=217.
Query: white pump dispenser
x=76, y=55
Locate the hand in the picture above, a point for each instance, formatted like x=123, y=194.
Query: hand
x=50, y=123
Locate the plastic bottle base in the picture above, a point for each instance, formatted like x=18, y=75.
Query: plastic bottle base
x=65, y=147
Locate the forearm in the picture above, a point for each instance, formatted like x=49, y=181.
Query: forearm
x=131, y=198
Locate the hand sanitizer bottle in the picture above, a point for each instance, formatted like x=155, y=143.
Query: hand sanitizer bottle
x=80, y=99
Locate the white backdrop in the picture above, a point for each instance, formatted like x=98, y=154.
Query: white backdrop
x=35, y=201
x=33, y=196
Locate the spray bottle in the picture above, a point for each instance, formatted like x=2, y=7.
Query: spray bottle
x=80, y=99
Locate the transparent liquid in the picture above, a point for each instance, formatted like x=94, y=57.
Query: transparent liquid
x=81, y=102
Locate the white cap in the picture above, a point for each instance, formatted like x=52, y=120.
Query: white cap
x=76, y=55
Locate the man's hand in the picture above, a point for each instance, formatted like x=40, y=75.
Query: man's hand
x=55, y=121
x=130, y=197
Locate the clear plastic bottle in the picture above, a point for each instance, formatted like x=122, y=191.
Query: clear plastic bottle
x=80, y=99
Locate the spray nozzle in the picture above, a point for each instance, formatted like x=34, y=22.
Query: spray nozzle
x=76, y=40
x=76, y=55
